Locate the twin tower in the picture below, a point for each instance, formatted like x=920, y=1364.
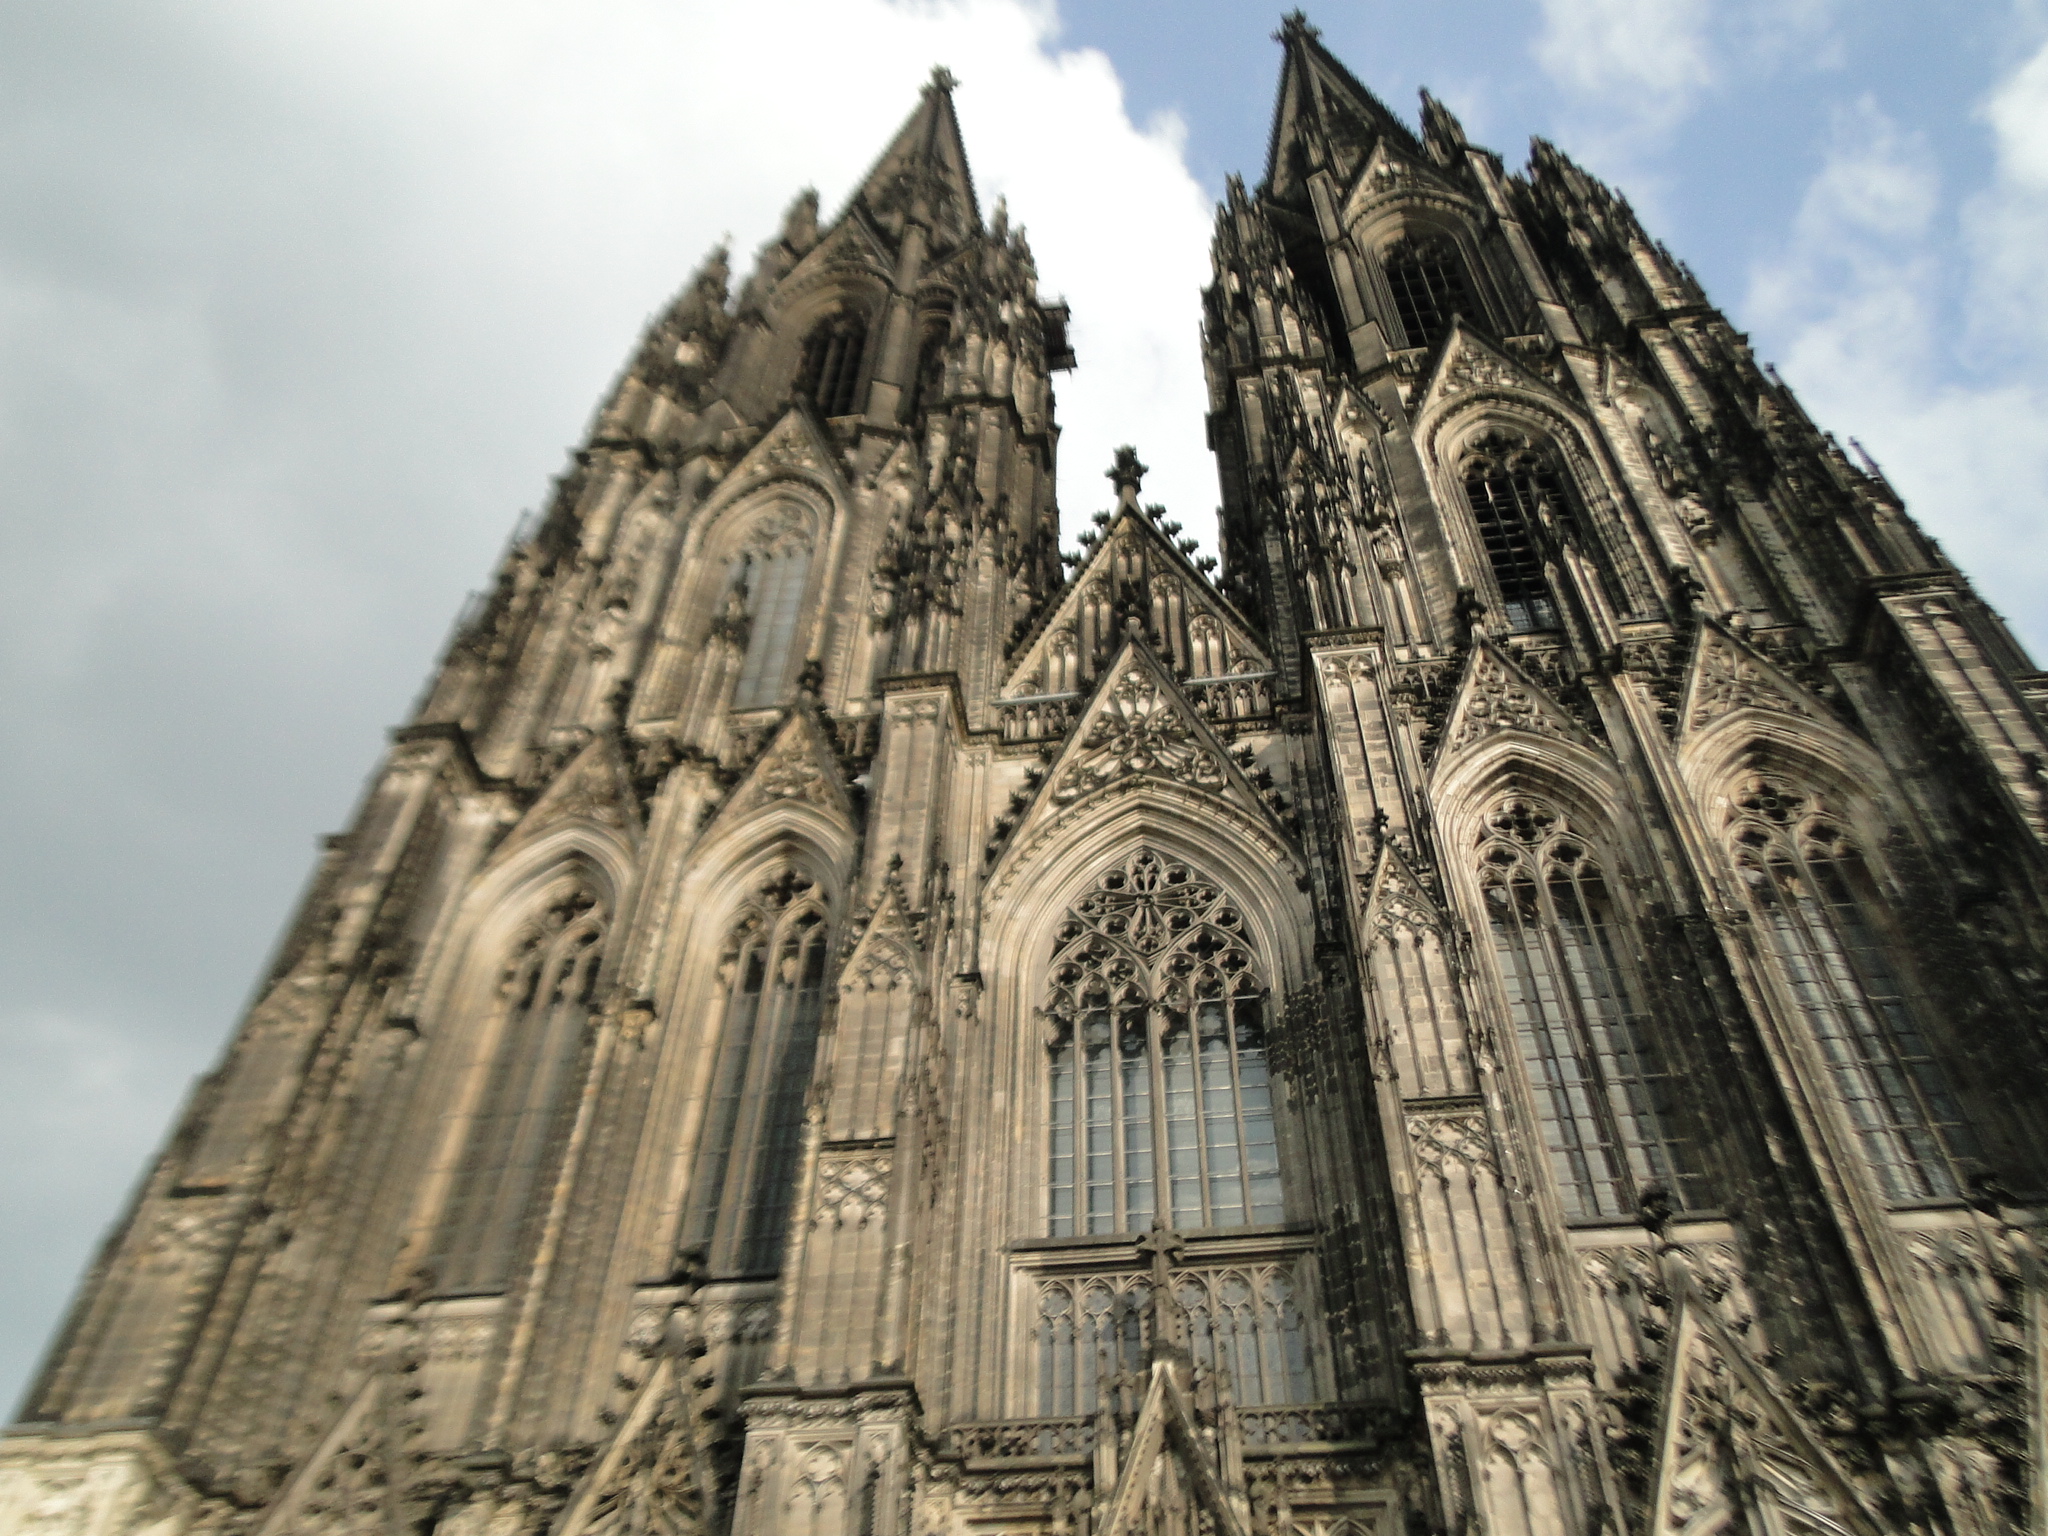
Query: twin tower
x=1512, y=1008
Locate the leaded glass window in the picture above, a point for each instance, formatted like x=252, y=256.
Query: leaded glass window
x=762, y=612
x=769, y=1000
x=1158, y=1060
x=1427, y=276
x=1601, y=1086
x=1824, y=919
x=543, y=999
x=1511, y=486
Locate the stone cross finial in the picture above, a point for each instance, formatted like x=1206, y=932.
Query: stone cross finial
x=943, y=79
x=1126, y=474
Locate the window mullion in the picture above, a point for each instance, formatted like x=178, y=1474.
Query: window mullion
x=770, y=1025
x=1162, y=1151
x=1599, y=1088
x=1244, y=1142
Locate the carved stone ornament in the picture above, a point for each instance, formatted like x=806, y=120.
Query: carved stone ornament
x=1727, y=678
x=851, y=1194
x=1140, y=729
x=651, y=1482
x=594, y=786
x=1499, y=696
x=1452, y=1145
x=795, y=768
x=791, y=776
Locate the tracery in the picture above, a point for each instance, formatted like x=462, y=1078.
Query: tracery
x=1427, y=277
x=1158, y=1059
x=1512, y=487
x=1600, y=1084
x=770, y=998
x=764, y=606
x=1825, y=921
x=544, y=994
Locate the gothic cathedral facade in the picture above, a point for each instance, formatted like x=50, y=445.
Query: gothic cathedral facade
x=1511, y=1008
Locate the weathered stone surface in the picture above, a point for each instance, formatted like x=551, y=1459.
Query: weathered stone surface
x=1516, y=1008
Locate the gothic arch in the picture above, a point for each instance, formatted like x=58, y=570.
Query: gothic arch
x=1546, y=861
x=1277, y=924
x=1038, y=872
x=504, y=890
x=1419, y=221
x=1808, y=855
x=1009, y=1196
x=1586, y=782
x=779, y=511
x=1450, y=430
x=1713, y=760
x=786, y=859
x=790, y=836
x=571, y=878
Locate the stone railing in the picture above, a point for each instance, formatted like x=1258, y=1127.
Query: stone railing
x=1306, y=1423
x=1224, y=701
x=1272, y=1430
x=1024, y=1437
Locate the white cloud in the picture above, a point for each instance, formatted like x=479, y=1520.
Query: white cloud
x=1648, y=59
x=1879, y=346
x=299, y=305
x=1630, y=71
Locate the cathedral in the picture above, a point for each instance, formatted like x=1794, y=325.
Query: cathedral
x=1510, y=1006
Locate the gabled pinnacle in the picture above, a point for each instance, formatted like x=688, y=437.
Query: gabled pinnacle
x=1322, y=114
x=923, y=176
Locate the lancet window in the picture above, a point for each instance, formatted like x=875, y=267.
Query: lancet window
x=1158, y=1063
x=1513, y=488
x=1427, y=276
x=1601, y=1086
x=1826, y=923
x=770, y=996
x=928, y=385
x=764, y=608
x=832, y=359
x=543, y=1000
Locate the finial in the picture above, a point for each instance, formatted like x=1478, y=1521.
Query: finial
x=1126, y=474
x=943, y=79
x=1296, y=24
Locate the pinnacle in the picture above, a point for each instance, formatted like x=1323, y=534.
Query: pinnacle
x=922, y=175
x=1296, y=24
x=1126, y=474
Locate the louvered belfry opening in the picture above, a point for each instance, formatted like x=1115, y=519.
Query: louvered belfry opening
x=1427, y=277
x=1510, y=487
x=832, y=359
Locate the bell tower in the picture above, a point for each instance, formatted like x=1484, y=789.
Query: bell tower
x=1512, y=1007
x=1684, y=810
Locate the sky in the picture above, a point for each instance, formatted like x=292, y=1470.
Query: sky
x=302, y=303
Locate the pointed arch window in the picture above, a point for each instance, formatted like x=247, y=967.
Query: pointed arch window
x=1161, y=1104
x=832, y=359
x=1513, y=487
x=1826, y=922
x=1601, y=1087
x=771, y=982
x=1427, y=276
x=928, y=385
x=763, y=609
x=544, y=997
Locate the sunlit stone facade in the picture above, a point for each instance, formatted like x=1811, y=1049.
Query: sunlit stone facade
x=1513, y=1006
